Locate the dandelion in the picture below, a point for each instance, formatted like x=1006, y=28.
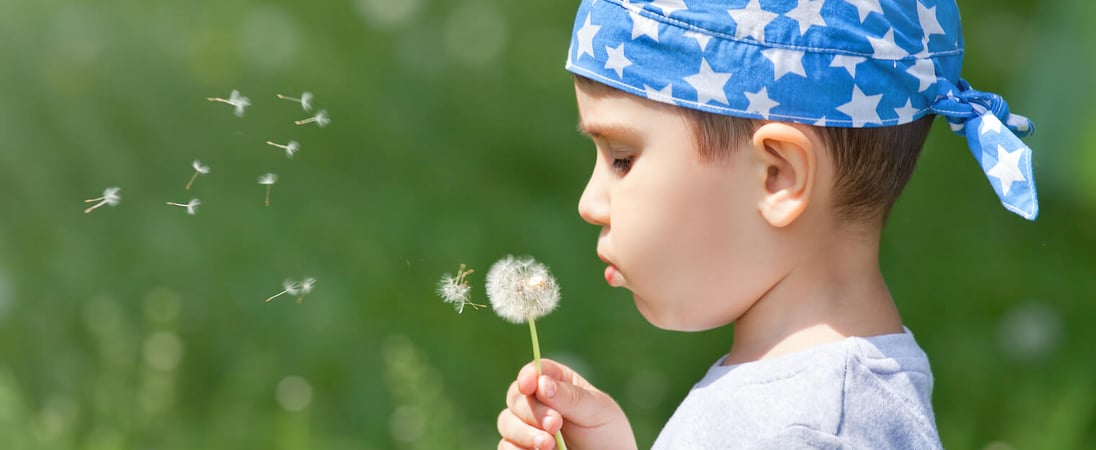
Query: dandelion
x=306, y=288
x=305, y=100
x=110, y=197
x=290, y=148
x=238, y=101
x=455, y=290
x=320, y=118
x=268, y=179
x=199, y=169
x=288, y=287
x=191, y=206
x=522, y=290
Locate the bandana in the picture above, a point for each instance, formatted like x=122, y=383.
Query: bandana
x=835, y=63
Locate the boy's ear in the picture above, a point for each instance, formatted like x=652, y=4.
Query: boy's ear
x=787, y=164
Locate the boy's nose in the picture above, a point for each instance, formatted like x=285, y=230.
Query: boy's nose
x=593, y=206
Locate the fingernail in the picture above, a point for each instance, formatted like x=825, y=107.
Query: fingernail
x=538, y=441
x=548, y=387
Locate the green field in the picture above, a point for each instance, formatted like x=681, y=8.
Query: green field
x=452, y=141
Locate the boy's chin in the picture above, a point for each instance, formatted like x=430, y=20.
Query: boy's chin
x=668, y=322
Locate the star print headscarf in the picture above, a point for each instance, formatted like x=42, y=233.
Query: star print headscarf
x=836, y=63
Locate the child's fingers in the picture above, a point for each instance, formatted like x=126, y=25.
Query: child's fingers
x=585, y=407
x=527, y=377
x=532, y=412
x=517, y=434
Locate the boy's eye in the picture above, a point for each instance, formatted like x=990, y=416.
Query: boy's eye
x=622, y=165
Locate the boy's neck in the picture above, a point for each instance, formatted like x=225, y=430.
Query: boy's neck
x=834, y=291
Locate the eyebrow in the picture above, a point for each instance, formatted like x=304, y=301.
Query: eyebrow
x=600, y=130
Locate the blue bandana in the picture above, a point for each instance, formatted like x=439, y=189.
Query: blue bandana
x=837, y=63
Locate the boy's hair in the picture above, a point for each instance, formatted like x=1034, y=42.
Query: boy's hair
x=871, y=165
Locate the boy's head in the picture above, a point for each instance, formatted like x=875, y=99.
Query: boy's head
x=789, y=103
x=856, y=64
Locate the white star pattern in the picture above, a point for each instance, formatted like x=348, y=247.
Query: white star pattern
x=585, y=36
x=989, y=123
x=785, y=62
x=930, y=25
x=907, y=112
x=807, y=13
x=760, y=102
x=886, y=48
x=751, y=21
x=643, y=26
x=866, y=7
x=1007, y=168
x=617, y=61
x=848, y=62
x=709, y=84
x=925, y=72
x=669, y=6
x=701, y=38
x=665, y=93
x=862, y=107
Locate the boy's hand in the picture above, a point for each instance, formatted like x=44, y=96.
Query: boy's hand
x=537, y=408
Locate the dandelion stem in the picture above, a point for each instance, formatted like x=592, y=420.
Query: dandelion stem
x=195, y=177
x=272, y=297
x=536, y=362
x=286, y=97
x=268, y=194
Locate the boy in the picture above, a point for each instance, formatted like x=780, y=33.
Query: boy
x=748, y=155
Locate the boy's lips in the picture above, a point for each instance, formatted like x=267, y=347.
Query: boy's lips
x=612, y=274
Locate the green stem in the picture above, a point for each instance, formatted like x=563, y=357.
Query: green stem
x=560, y=445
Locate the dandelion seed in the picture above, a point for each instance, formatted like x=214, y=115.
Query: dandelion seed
x=199, y=169
x=522, y=290
x=191, y=206
x=268, y=179
x=455, y=290
x=288, y=287
x=306, y=288
x=320, y=118
x=236, y=100
x=305, y=100
x=290, y=148
x=110, y=197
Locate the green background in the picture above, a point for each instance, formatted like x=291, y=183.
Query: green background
x=452, y=141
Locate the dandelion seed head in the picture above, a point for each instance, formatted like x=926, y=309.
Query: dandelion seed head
x=291, y=148
x=322, y=119
x=306, y=101
x=268, y=179
x=111, y=195
x=238, y=101
x=192, y=206
x=198, y=167
x=290, y=287
x=521, y=289
x=453, y=290
x=306, y=285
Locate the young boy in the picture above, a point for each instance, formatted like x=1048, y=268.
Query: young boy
x=748, y=154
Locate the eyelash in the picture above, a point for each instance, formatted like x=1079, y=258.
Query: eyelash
x=622, y=166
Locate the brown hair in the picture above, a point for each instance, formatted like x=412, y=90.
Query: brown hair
x=871, y=165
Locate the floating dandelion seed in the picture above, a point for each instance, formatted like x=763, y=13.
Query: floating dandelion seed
x=455, y=290
x=268, y=179
x=199, y=169
x=288, y=287
x=191, y=206
x=306, y=288
x=320, y=118
x=290, y=148
x=110, y=197
x=522, y=290
x=236, y=100
x=305, y=100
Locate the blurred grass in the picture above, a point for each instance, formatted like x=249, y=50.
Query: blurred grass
x=450, y=143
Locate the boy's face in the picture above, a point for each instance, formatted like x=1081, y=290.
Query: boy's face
x=684, y=235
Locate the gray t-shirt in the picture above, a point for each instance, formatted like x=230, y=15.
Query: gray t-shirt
x=869, y=393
